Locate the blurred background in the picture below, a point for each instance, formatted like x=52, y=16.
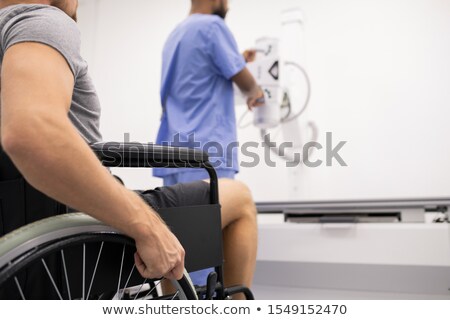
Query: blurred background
x=380, y=73
x=380, y=77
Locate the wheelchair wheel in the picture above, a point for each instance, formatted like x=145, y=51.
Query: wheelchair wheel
x=72, y=257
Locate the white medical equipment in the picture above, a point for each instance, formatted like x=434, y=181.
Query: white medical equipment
x=279, y=70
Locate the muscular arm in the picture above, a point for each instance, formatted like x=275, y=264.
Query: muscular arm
x=247, y=84
x=37, y=86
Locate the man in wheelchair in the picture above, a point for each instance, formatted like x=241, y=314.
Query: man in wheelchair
x=50, y=114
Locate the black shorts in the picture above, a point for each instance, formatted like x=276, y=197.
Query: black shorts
x=180, y=195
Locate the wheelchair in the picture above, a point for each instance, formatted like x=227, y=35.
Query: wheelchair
x=71, y=256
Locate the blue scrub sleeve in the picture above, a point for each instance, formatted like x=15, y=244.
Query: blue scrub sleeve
x=224, y=51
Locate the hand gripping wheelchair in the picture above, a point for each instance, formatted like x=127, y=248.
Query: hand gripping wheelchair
x=48, y=253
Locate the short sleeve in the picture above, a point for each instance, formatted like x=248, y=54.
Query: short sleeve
x=48, y=26
x=224, y=51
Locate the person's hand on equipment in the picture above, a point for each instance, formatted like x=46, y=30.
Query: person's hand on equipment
x=249, y=55
x=159, y=254
x=256, y=99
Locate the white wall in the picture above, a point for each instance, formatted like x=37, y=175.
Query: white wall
x=380, y=71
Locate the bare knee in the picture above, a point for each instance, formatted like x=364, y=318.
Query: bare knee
x=237, y=202
x=245, y=199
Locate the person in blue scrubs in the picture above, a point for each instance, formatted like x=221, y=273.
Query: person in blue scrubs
x=201, y=61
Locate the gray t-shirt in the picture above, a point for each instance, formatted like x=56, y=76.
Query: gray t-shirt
x=51, y=26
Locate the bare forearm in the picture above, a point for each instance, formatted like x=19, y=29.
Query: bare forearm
x=246, y=83
x=252, y=90
x=66, y=169
x=249, y=87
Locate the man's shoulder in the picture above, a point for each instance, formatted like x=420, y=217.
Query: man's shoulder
x=43, y=24
x=32, y=14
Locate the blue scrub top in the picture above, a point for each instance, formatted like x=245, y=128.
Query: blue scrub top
x=199, y=59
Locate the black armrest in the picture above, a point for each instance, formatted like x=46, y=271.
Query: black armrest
x=136, y=155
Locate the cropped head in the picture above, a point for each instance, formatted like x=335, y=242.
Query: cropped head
x=217, y=7
x=68, y=6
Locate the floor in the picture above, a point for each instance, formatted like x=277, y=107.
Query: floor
x=284, y=293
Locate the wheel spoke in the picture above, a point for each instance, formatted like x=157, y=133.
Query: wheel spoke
x=151, y=291
x=140, y=289
x=51, y=279
x=176, y=295
x=65, y=274
x=83, y=284
x=128, y=281
x=120, y=273
x=19, y=288
x=95, y=270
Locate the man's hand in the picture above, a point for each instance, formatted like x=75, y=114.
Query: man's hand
x=161, y=246
x=249, y=55
x=256, y=99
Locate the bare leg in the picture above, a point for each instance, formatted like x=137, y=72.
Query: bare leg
x=240, y=237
